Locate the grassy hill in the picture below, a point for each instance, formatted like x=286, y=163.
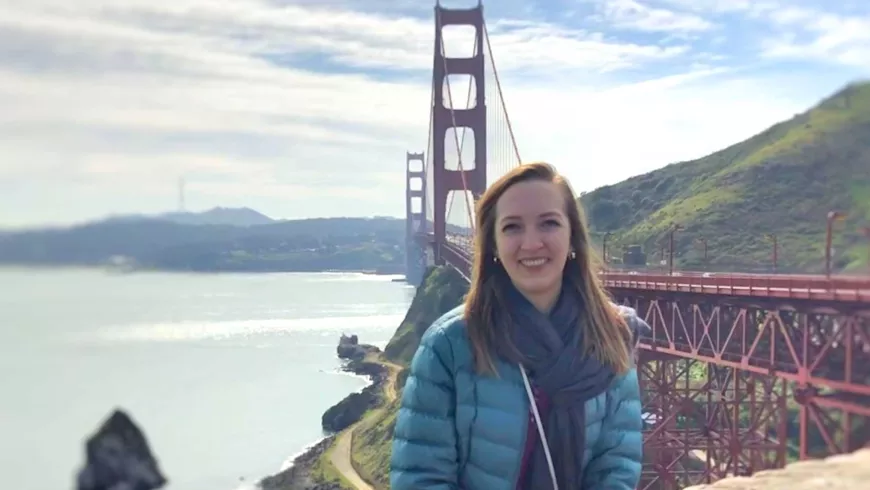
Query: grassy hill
x=783, y=181
x=442, y=290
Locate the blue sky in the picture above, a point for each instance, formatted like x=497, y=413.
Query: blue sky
x=306, y=108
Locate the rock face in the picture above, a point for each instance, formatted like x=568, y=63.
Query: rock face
x=297, y=476
x=118, y=457
x=351, y=409
x=336, y=418
x=841, y=472
x=350, y=348
x=344, y=413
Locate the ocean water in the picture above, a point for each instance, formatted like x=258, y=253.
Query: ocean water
x=227, y=375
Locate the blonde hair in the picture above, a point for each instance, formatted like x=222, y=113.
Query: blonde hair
x=607, y=336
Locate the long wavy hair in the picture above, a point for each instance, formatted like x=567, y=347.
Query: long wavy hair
x=607, y=334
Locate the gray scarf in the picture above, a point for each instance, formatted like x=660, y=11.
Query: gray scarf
x=550, y=347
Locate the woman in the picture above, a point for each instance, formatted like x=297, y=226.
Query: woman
x=535, y=301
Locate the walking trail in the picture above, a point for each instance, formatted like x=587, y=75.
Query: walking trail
x=341, y=452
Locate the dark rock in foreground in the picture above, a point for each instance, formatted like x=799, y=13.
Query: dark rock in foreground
x=118, y=458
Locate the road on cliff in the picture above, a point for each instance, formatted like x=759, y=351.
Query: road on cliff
x=340, y=459
x=341, y=452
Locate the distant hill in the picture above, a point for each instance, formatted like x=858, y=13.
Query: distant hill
x=292, y=245
x=214, y=216
x=220, y=216
x=783, y=181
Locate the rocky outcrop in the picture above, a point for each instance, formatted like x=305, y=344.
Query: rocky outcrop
x=346, y=412
x=338, y=417
x=298, y=475
x=118, y=457
x=841, y=472
x=349, y=348
x=351, y=409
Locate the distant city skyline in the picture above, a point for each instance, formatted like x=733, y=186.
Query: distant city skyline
x=304, y=108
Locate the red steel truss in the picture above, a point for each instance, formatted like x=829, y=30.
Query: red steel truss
x=735, y=385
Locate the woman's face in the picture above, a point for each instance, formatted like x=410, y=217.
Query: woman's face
x=533, y=239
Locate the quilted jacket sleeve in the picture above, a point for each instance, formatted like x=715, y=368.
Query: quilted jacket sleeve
x=617, y=457
x=616, y=460
x=424, y=443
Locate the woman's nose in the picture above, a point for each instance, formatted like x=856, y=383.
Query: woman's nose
x=532, y=240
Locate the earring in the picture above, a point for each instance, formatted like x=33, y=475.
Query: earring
x=495, y=259
x=573, y=255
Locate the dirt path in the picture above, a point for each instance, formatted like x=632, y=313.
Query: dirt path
x=340, y=459
x=390, y=388
x=341, y=452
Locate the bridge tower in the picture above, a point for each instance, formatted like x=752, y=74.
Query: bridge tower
x=472, y=177
x=415, y=218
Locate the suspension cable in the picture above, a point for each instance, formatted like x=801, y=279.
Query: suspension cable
x=500, y=93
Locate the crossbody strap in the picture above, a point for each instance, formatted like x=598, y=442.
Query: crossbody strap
x=540, y=427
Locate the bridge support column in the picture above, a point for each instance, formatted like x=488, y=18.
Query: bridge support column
x=472, y=177
x=415, y=218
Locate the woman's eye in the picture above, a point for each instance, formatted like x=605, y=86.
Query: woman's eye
x=552, y=222
x=510, y=227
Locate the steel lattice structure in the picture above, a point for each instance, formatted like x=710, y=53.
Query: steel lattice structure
x=722, y=376
x=742, y=372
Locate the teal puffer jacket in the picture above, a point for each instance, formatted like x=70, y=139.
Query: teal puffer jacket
x=458, y=430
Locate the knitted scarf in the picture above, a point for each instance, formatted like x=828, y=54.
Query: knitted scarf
x=550, y=348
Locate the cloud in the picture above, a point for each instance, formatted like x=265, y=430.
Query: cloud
x=271, y=103
x=631, y=14
x=809, y=33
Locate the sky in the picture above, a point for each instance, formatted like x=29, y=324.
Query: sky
x=305, y=108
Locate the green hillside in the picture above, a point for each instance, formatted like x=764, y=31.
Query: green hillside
x=442, y=290
x=783, y=181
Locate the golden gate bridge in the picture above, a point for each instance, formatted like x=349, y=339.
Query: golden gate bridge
x=742, y=372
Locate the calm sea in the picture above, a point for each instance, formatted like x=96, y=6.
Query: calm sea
x=228, y=375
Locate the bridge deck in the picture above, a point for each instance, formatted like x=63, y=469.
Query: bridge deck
x=807, y=287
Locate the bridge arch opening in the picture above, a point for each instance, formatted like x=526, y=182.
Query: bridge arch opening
x=415, y=165
x=416, y=205
x=460, y=91
x=459, y=41
x=459, y=140
x=460, y=222
x=415, y=184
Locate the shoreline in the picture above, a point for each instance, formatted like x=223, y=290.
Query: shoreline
x=304, y=471
x=120, y=270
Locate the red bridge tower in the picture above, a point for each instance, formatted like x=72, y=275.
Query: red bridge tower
x=470, y=176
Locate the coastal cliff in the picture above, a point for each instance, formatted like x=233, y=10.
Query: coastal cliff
x=442, y=289
x=356, y=454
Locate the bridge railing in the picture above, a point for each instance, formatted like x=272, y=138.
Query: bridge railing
x=457, y=252
x=842, y=289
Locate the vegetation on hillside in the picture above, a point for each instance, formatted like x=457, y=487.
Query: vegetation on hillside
x=442, y=289
x=783, y=181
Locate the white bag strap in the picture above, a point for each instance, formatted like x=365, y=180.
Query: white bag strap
x=540, y=427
